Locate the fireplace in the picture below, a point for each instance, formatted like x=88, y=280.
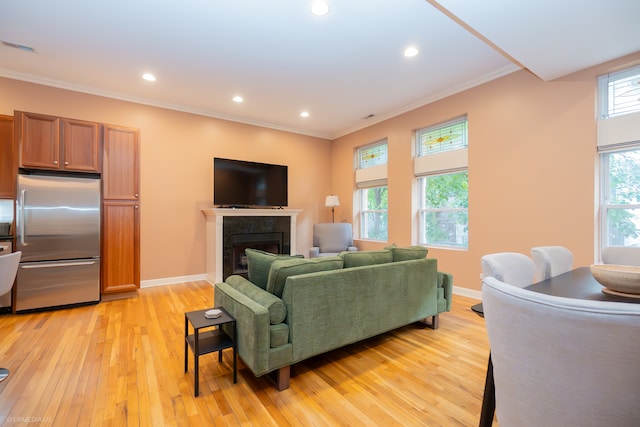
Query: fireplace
x=267, y=233
x=249, y=228
x=268, y=242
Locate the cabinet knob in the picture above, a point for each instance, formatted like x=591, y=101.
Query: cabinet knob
x=66, y=163
x=55, y=162
x=135, y=207
x=136, y=195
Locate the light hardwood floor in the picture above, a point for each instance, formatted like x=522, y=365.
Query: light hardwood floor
x=122, y=363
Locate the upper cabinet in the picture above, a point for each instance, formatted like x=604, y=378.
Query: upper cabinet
x=120, y=178
x=40, y=136
x=7, y=158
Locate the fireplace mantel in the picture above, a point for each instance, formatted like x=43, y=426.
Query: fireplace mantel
x=215, y=218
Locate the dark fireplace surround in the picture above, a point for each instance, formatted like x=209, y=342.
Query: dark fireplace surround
x=266, y=233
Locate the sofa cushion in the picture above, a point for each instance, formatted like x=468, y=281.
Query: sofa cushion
x=408, y=253
x=275, y=306
x=258, y=264
x=282, y=269
x=361, y=258
x=278, y=335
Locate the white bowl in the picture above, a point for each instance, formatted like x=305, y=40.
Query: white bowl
x=619, y=278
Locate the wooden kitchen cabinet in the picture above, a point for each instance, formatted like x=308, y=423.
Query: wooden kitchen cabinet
x=8, y=164
x=120, y=246
x=120, y=179
x=80, y=146
x=55, y=143
x=120, y=209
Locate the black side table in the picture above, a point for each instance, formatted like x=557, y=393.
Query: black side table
x=208, y=341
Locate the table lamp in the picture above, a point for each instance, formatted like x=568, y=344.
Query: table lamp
x=331, y=202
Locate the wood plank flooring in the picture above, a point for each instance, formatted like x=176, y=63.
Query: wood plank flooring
x=121, y=363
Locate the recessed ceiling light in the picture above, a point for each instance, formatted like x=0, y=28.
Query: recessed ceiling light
x=319, y=8
x=149, y=77
x=304, y=114
x=410, y=52
x=237, y=99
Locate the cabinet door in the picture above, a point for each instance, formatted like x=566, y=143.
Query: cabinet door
x=8, y=168
x=81, y=146
x=121, y=246
x=120, y=163
x=39, y=138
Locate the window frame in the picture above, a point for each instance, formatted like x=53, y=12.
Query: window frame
x=440, y=163
x=616, y=133
x=367, y=177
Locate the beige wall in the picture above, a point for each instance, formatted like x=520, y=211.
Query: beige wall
x=532, y=157
x=532, y=160
x=177, y=151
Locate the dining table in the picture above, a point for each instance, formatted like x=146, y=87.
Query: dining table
x=578, y=283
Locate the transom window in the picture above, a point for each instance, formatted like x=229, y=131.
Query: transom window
x=619, y=93
x=441, y=138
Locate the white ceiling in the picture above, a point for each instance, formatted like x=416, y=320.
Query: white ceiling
x=340, y=67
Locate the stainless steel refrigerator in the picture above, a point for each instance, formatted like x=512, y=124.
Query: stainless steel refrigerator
x=58, y=232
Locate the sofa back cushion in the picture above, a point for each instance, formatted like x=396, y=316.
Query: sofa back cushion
x=408, y=253
x=281, y=269
x=361, y=258
x=259, y=262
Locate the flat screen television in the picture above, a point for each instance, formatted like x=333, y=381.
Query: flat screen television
x=242, y=184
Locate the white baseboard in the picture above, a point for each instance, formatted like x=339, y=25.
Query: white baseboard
x=467, y=293
x=195, y=277
x=172, y=280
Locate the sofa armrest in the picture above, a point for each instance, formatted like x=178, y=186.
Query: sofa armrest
x=314, y=252
x=252, y=321
x=445, y=280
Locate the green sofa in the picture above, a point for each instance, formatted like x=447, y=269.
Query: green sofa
x=291, y=309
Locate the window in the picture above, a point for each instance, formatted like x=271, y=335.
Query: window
x=373, y=213
x=620, y=204
x=444, y=213
x=619, y=93
x=371, y=181
x=441, y=168
x=619, y=148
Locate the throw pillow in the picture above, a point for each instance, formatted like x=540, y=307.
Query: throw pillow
x=358, y=259
x=258, y=264
x=282, y=269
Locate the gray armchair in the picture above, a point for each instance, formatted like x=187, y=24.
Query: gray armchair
x=331, y=238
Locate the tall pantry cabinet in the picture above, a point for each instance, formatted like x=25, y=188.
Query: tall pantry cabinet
x=120, y=209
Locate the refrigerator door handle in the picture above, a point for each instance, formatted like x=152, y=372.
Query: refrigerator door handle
x=58, y=264
x=23, y=194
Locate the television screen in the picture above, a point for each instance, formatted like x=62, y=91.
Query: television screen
x=238, y=183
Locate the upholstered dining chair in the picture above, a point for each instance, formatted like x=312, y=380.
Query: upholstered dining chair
x=331, y=238
x=621, y=255
x=8, y=269
x=511, y=267
x=582, y=373
x=550, y=261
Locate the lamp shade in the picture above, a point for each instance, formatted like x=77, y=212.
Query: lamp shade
x=331, y=201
